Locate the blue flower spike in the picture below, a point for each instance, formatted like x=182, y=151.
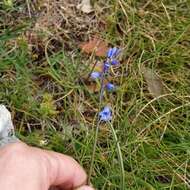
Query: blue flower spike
x=95, y=75
x=106, y=114
x=110, y=87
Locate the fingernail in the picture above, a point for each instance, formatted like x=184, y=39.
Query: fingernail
x=85, y=188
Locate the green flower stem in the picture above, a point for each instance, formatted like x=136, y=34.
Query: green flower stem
x=97, y=130
x=120, y=157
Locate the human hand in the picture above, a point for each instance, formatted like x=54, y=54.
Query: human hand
x=29, y=168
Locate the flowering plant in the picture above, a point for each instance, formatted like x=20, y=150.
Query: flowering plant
x=105, y=113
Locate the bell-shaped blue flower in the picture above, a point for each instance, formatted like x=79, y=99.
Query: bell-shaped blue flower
x=110, y=87
x=114, y=62
x=105, y=114
x=95, y=75
x=113, y=52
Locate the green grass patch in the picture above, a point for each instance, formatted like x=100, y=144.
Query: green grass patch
x=53, y=109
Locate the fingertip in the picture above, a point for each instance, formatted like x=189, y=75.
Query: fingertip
x=80, y=176
x=85, y=187
x=67, y=172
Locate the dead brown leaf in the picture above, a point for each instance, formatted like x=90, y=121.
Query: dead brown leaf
x=97, y=46
x=154, y=82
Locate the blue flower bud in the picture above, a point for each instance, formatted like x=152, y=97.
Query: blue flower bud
x=109, y=53
x=115, y=62
x=110, y=87
x=105, y=114
x=114, y=52
x=95, y=75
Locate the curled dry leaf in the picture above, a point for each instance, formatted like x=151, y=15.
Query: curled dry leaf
x=85, y=6
x=154, y=82
x=97, y=46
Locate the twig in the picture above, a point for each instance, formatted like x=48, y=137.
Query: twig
x=28, y=6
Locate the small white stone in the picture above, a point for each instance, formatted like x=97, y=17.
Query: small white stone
x=6, y=127
x=5, y=118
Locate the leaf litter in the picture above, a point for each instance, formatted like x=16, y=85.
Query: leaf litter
x=62, y=21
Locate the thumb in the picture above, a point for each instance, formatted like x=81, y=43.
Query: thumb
x=64, y=171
